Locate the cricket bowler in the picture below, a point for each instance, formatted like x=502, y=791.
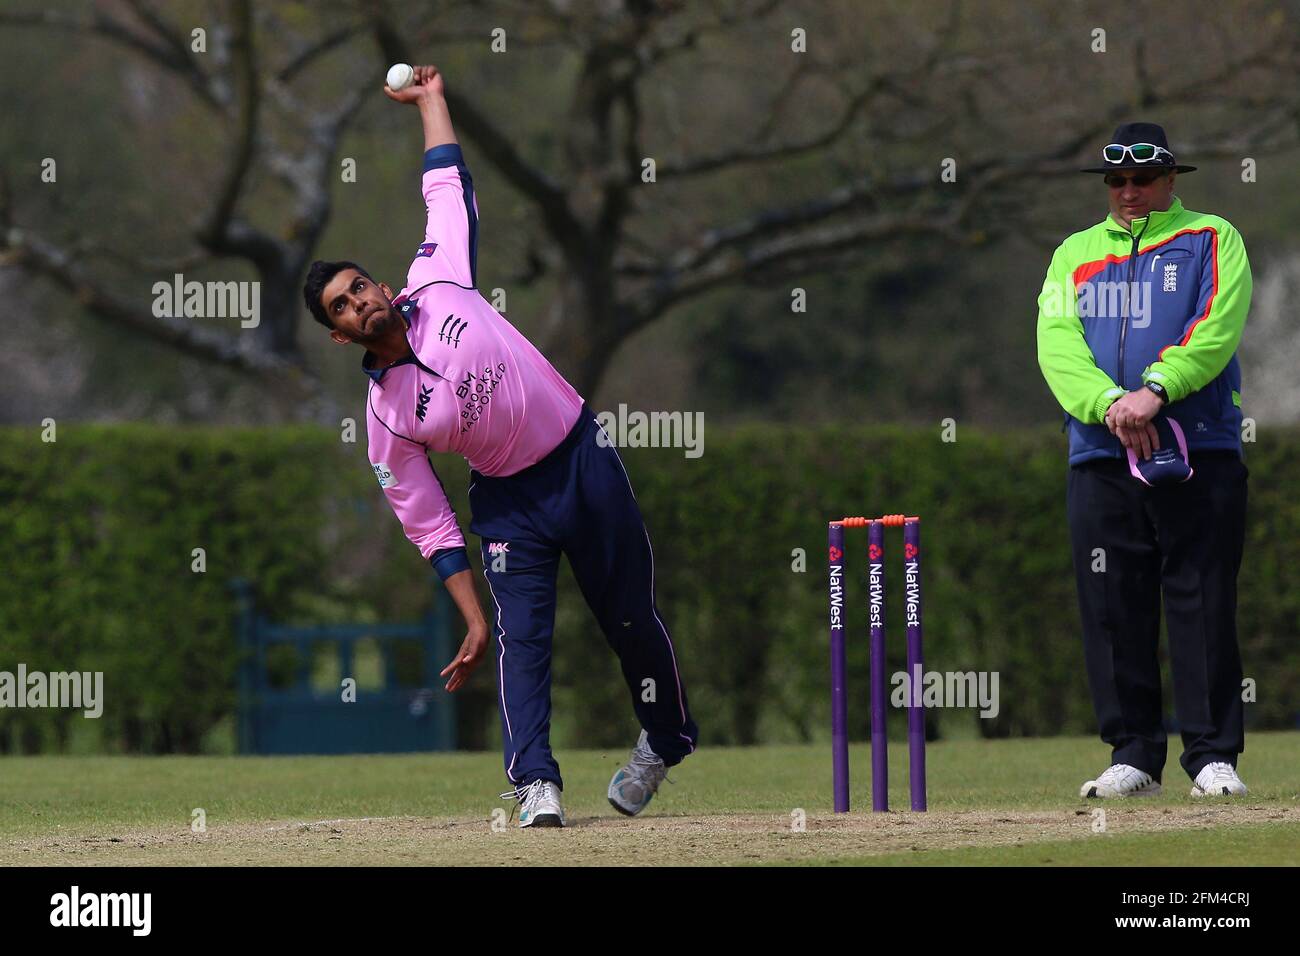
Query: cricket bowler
x=448, y=373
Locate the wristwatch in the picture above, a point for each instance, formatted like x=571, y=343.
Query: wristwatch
x=1159, y=390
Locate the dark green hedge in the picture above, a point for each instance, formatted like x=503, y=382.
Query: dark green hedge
x=98, y=531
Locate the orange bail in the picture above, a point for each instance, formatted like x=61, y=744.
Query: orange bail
x=889, y=521
x=897, y=521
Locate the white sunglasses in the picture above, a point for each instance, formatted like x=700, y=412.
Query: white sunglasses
x=1141, y=152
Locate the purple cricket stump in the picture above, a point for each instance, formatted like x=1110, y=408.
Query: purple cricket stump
x=839, y=668
x=915, y=661
x=876, y=611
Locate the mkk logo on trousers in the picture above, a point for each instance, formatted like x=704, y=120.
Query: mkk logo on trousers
x=498, y=547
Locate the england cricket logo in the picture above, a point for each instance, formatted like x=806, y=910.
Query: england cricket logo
x=1171, y=278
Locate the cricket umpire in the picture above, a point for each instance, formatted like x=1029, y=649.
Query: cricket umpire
x=1138, y=325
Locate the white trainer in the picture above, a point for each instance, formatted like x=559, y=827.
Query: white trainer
x=1218, y=780
x=1121, y=780
x=636, y=783
x=539, y=804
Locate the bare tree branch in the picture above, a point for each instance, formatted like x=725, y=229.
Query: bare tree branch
x=24, y=248
x=880, y=83
x=309, y=174
x=673, y=288
x=161, y=50
x=746, y=155
x=313, y=51
x=497, y=147
x=661, y=48
x=89, y=249
x=169, y=37
x=865, y=191
x=215, y=232
x=718, y=259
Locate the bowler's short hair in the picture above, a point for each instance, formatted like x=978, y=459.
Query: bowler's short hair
x=318, y=277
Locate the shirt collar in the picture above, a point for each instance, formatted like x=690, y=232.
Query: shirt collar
x=1155, y=219
x=368, y=365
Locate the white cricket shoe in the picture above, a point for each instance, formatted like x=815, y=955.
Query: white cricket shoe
x=636, y=783
x=1121, y=780
x=539, y=804
x=1218, y=780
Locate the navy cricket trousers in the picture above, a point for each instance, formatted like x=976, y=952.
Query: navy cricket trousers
x=577, y=501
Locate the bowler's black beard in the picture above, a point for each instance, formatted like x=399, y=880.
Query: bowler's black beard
x=380, y=327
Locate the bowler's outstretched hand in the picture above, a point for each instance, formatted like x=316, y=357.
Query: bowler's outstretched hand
x=427, y=82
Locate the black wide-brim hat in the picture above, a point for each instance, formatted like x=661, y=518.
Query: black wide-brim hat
x=1131, y=133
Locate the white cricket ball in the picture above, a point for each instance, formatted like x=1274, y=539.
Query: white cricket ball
x=400, y=76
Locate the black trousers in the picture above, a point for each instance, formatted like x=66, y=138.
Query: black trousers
x=1131, y=543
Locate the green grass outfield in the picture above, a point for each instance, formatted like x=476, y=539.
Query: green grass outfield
x=1008, y=802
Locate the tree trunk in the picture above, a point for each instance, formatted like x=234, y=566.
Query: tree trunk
x=582, y=331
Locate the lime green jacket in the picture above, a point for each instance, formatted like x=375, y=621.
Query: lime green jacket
x=1164, y=301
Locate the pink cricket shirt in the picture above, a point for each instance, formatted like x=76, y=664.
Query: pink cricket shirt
x=474, y=385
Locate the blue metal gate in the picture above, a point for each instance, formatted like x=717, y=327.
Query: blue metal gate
x=298, y=719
